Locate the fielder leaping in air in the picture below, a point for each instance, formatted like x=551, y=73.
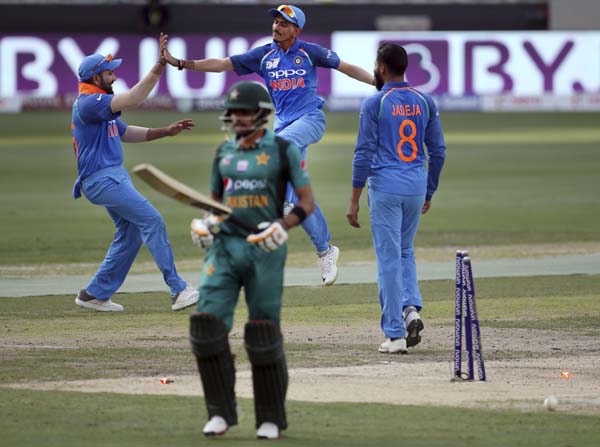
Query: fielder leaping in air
x=299, y=117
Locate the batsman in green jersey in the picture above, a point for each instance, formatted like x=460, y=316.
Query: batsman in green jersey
x=250, y=173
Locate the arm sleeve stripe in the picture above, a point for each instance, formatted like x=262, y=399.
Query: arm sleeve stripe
x=381, y=102
x=302, y=50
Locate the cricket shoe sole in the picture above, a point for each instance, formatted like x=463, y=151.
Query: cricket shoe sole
x=413, y=331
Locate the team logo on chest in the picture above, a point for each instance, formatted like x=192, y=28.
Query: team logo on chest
x=298, y=60
x=262, y=159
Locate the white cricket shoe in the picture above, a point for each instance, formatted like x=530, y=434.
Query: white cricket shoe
x=328, y=265
x=268, y=430
x=393, y=347
x=385, y=346
x=216, y=426
x=186, y=298
x=86, y=300
x=414, y=325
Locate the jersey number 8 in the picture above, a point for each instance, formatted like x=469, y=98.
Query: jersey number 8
x=410, y=139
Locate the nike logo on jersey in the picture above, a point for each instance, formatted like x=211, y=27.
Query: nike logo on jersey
x=99, y=98
x=273, y=63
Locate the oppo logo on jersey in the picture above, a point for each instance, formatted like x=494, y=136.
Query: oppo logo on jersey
x=246, y=184
x=289, y=80
x=287, y=73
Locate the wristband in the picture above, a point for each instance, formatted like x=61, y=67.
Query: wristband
x=299, y=211
x=180, y=64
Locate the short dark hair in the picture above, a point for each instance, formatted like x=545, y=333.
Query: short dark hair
x=394, y=57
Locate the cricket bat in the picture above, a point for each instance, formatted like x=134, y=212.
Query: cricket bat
x=174, y=189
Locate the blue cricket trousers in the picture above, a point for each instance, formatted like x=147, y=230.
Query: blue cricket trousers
x=136, y=221
x=394, y=223
x=303, y=132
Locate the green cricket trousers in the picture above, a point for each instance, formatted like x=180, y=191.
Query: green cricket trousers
x=232, y=263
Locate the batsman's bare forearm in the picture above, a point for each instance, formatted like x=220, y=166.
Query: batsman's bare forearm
x=306, y=201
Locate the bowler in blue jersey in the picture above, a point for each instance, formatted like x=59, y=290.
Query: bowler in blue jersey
x=396, y=125
x=289, y=67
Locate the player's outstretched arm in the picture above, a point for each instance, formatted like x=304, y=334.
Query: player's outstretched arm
x=212, y=65
x=356, y=72
x=215, y=65
x=140, y=91
x=137, y=134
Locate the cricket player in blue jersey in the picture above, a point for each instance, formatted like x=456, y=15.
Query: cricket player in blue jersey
x=98, y=131
x=289, y=67
x=395, y=126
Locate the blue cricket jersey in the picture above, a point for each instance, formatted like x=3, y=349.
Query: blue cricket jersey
x=395, y=126
x=96, y=131
x=291, y=76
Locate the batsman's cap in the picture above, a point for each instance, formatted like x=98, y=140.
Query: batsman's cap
x=290, y=13
x=248, y=95
x=95, y=64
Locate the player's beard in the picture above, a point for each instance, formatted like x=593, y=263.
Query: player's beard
x=106, y=87
x=243, y=130
x=378, y=80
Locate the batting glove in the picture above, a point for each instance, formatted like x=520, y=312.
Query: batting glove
x=272, y=236
x=202, y=230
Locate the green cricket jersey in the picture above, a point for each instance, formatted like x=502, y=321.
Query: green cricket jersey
x=253, y=182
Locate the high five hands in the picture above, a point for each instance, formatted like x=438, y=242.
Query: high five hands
x=165, y=55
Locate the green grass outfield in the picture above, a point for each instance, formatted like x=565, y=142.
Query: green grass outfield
x=60, y=419
x=509, y=179
x=149, y=341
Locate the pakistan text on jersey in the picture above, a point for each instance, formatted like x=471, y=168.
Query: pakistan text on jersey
x=248, y=201
x=406, y=110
